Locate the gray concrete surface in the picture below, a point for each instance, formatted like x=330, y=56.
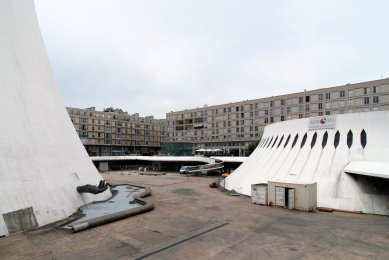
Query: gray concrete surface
x=186, y=206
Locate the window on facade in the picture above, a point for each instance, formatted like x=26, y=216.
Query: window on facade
x=366, y=91
x=328, y=95
x=256, y=113
x=242, y=129
x=375, y=99
x=375, y=89
x=267, y=139
x=328, y=113
x=282, y=118
x=342, y=94
x=266, y=112
x=301, y=100
x=336, y=140
x=237, y=129
x=271, y=119
x=320, y=113
x=300, y=108
x=295, y=140
x=271, y=103
x=306, y=107
x=349, y=138
x=313, y=142
x=350, y=102
x=304, y=140
x=274, y=142
x=363, y=138
x=282, y=110
x=288, y=109
x=320, y=96
x=325, y=138
x=301, y=115
x=289, y=102
x=366, y=100
x=287, y=141
x=266, y=120
x=271, y=140
x=282, y=138
x=307, y=98
x=282, y=102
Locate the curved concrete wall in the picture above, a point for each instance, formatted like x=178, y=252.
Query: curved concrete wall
x=276, y=160
x=42, y=160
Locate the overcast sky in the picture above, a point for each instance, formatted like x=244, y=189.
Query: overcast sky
x=153, y=57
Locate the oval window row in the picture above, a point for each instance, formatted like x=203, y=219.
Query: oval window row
x=269, y=140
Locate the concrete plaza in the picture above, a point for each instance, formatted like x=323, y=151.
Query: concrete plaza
x=193, y=221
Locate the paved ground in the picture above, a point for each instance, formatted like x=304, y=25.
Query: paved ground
x=186, y=207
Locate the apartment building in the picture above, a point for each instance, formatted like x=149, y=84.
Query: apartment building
x=232, y=127
x=114, y=132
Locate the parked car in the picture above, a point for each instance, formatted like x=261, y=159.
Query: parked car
x=187, y=169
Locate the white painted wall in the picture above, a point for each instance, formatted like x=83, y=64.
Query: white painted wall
x=41, y=158
x=336, y=189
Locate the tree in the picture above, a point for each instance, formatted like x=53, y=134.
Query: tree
x=252, y=146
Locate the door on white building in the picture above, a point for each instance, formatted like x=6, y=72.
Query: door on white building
x=291, y=198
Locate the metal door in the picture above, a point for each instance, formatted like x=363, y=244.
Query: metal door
x=280, y=196
x=291, y=198
x=262, y=195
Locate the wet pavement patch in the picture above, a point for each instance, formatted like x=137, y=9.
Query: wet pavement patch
x=124, y=203
x=186, y=192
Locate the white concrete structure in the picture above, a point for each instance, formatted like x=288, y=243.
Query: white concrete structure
x=42, y=160
x=351, y=174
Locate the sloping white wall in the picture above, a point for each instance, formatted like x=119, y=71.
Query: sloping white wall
x=42, y=160
x=336, y=189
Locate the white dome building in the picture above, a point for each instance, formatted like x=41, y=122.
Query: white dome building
x=346, y=156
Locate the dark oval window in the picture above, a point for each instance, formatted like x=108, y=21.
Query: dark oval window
x=295, y=140
x=304, y=140
x=287, y=141
x=349, y=138
x=262, y=142
x=267, y=139
x=269, y=142
x=363, y=138
x=274, y=142
x=314, y=140
x=336, y=140
x=282, y=138
x=325, y=138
